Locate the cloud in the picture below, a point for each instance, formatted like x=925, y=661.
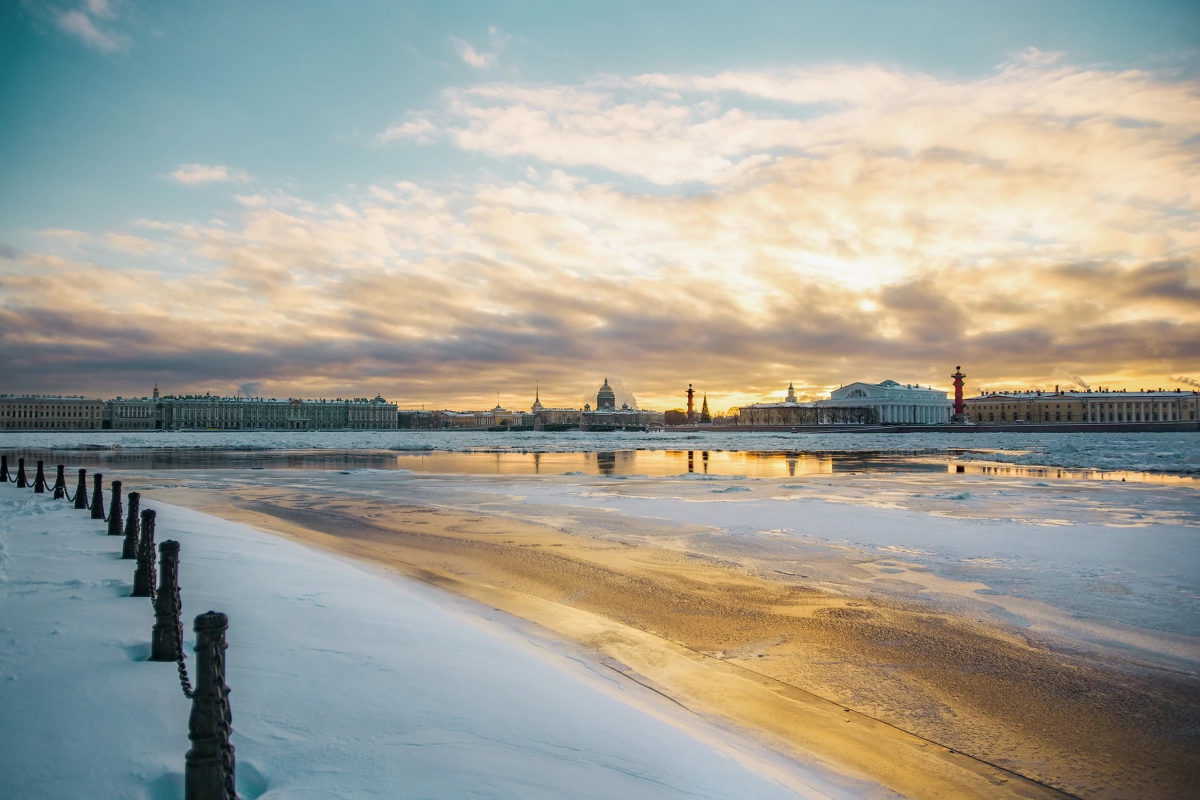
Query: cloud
x=199, y=174
x=9, y=252
x=890, y=225
x=422, y=131
x=482, y=60
x=81, y=23
x=1034, y=112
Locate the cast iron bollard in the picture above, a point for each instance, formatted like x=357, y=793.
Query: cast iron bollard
x=209, y=771
x=143, y=573
x=130, y=546
x=97, y=496
x=60, y=483
x=114, y=510
x=39, y=480
x=81, y=491
x=167, y=625
x=4, y=469
x=21, y=481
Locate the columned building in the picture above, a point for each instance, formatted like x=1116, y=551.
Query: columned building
x=893, y=403
x=49, y=413
x=856, y=404
x=210, y=413
x=1090, y=407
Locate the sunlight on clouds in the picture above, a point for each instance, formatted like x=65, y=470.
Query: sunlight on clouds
x=1040, y=220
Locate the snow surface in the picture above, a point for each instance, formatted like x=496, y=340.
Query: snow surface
x=1139, y=452
x=346, y=682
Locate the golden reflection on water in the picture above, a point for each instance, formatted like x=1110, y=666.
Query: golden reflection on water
x=652, y=463
x=1058, y=473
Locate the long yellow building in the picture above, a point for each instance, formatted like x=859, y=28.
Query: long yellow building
x=1084, y=407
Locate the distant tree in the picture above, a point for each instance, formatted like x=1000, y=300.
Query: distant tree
x=705, y=417
x=676, y=416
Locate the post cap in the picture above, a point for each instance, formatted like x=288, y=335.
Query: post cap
x=148, y=513
x=168, y=546
x=211, y=621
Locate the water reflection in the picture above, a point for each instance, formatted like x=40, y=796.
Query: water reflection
x=652, y=463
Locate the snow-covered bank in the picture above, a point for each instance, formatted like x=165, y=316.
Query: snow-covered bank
x=346, y=683
x=1137, y=452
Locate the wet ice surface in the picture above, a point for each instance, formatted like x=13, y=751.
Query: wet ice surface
x=1099, y=562
x=1154, y=452
x=1095, y=560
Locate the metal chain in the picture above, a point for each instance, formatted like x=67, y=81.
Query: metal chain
x=186, y=684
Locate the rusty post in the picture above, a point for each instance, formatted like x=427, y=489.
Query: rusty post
x=60, y=483
x=39, y=479
x=209, y=770
x=97, y=496
x=114, y=510
x=21, y=480
x=143, y=573
x=165, y=640
x=132, y=532
x=81, y=491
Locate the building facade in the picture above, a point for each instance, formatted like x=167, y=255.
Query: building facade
x=1084, y=407
x=213, y=413
x=50, y=413
x=892, y=403
x=607, y=417
x=132, y=413
x=856, y=404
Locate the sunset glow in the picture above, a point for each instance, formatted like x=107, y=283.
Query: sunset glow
x=735, y=223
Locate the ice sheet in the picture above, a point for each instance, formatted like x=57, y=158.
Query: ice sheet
x=346, y=683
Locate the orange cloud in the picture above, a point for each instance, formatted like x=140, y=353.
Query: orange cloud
x=1039, y=221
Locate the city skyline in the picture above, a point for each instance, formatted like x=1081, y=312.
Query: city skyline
x=435, y=203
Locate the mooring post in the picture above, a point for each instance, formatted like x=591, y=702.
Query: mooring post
x=39, y=479
x=130, y=546
x=209, y=770
x=21, y=481
x=60, y=483
x=143, y=573
x=97, y=496
x=114, y=510
x=4, y=469
x=165, y=639
x=81, y=491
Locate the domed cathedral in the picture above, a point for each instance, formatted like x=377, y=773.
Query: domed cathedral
x=606, y=398
x=607, y=417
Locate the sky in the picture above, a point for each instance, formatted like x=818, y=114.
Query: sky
x=448, y=203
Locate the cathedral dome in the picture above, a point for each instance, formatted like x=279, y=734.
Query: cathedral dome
x=606, y=397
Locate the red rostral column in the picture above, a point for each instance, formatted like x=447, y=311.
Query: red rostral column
x=691, y=407
x=958, y=386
